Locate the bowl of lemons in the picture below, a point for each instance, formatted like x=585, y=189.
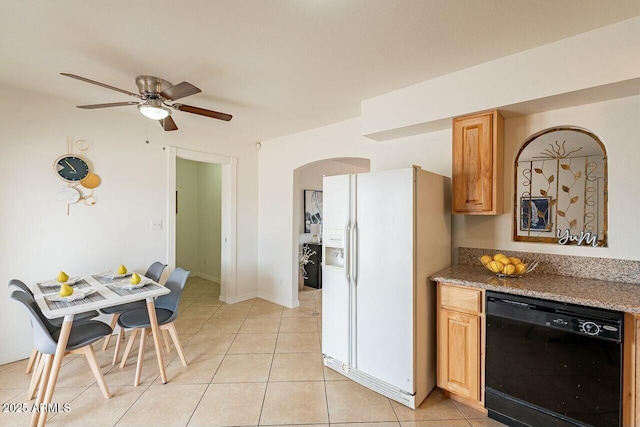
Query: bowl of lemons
x=504, y=266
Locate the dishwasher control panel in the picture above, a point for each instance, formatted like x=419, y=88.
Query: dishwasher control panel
x=588, y=321
x=585, y=326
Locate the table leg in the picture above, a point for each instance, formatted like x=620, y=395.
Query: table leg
x=55, y=367
x=156, y=338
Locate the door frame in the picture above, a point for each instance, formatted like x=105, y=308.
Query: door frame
x=228, y=272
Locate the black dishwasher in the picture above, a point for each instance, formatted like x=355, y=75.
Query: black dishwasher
x=552, y=364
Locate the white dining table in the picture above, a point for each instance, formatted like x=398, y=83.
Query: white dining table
x=106, y=294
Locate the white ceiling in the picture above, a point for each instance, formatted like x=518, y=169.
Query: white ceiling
x=279, y=66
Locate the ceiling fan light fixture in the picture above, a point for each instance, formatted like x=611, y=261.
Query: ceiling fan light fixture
x=154, y=110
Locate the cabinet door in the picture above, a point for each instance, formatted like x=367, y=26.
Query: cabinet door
x=459, y=353
x=477, y=160
x=313, y=269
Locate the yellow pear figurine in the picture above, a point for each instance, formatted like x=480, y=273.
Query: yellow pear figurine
x=66, y=290
x=509, y=269
x=135, y=279
x=521, y=269
x=122, y=269
x=63, y=277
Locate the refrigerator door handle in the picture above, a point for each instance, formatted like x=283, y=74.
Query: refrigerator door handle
x=347, y=251
x=354, y=248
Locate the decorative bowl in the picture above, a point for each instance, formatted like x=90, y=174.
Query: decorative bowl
x=503, y=266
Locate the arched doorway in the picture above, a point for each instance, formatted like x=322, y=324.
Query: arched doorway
x=309, y=177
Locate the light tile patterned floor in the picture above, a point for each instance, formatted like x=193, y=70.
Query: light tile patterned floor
x=251, y=363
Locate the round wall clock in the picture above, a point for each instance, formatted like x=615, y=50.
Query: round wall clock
x=71, y=168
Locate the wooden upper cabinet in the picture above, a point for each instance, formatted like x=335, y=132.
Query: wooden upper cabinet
x=477, y=164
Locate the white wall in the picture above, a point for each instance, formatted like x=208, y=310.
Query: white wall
x=596, y=65
x=616, y=124
x=37, y=239
x=280, y=157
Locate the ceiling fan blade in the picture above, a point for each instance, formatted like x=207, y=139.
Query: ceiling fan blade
x=73, y=76
x=179, y=91
x=168, y=124
x=112, y=104
x=203, y=112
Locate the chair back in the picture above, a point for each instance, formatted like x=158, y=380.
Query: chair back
x=155, y=271
x=170, y=301
x=20, y=285
x=43, y=331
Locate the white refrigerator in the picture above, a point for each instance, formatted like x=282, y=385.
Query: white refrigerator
x=384, y=233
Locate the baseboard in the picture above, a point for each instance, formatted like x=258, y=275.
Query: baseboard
x=239, y=298
x=478, y=406
x=246, y=296
x=14, y=356
x=261, y=295
x=205, y=276
x=278, y=300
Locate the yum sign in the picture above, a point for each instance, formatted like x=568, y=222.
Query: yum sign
x=584, y=237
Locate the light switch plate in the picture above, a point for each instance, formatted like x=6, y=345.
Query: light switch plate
x=156, y=224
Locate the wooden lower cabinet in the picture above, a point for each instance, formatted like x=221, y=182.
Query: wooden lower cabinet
x=460, y=342
x=459, y=353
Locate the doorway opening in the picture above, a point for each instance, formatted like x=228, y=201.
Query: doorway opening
x=198, y=218
x=309, y=177
x=193, y=179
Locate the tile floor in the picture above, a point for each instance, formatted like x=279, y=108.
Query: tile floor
x=251, y=363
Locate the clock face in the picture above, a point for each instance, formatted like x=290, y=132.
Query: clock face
x=71, y=168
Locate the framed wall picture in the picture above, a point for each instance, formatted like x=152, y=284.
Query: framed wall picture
x=312, y=209
x=535, y=213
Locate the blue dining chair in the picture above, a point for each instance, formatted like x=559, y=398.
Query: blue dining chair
x=45, y=340
x=166, y=312
x=154, y=272
x=34, y=358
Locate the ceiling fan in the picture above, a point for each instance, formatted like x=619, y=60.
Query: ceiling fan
x=156, y=96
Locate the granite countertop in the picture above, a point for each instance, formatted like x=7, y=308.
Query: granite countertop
x=590, y=292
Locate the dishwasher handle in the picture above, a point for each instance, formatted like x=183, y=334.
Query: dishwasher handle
x=517, y=304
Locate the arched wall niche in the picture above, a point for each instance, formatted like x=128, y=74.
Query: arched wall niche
x=561, y=188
